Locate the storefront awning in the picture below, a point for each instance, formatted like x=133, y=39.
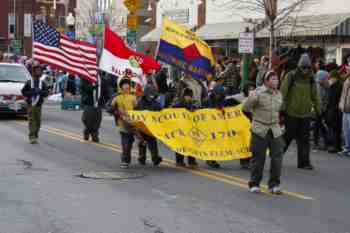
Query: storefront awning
x=315, y=25
x=221, y=31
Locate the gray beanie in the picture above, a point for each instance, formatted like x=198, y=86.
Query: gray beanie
x=304, y=61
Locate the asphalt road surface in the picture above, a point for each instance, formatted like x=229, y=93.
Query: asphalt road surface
x=41, y=190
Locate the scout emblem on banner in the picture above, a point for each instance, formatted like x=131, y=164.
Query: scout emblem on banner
x=182, y=48
x=206, y=134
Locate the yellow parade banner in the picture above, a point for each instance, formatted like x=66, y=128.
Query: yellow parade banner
x=206, y=134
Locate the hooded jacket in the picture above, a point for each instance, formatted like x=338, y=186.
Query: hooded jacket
x=299, y=91
x=148, y=100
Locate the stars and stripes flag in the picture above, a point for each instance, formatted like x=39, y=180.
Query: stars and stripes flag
x=59, y=51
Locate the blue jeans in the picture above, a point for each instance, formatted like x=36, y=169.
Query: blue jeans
x=346, y=130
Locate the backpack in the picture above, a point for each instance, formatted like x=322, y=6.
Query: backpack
x=292, y=82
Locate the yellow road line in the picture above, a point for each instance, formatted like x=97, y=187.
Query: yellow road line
x=217, y=176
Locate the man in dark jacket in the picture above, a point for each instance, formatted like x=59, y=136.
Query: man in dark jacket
x=149, y=102
x=300, y=97
x=35, y=91
x=334, y=115
x=216, y=100
x=187, y=102
x=92, y=114
x=231, y=77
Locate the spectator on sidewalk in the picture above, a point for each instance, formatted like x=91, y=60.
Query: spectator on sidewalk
x=344, y=106
x=231, y=77
x=320, y=129
x=300, y=97
x=265, y=104
x=333, y=113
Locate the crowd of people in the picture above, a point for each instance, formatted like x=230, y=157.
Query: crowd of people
x=303, y=99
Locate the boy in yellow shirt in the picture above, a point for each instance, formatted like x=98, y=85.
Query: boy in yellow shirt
x=125, y=101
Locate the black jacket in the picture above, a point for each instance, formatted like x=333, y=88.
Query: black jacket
x=150, y=105
x=182, y=104
x=27, y=92
x=87, y=93
x=334, y=115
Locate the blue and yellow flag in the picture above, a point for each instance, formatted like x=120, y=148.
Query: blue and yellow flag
x=182, y=48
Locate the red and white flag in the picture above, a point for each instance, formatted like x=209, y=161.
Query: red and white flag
x=118, y=59
x=61, y=52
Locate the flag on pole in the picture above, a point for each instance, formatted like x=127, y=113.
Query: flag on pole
x=61, y=52
x=182, y=48
x=118, y=59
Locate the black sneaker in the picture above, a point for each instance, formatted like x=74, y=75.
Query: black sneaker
x=193, y=164
x=157, y=161
x=180, y=164
x=306, y=167
x=142, y=161
x=213, y=164
x=86, y=137
x=95, y=139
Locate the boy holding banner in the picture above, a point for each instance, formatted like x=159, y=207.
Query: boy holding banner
x=125, y=101
x=186, y=102
x=265, y=104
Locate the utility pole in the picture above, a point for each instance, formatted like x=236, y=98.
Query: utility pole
x=246, y=62
x=15, y=19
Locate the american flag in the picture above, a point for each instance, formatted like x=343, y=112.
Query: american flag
x=61, y=52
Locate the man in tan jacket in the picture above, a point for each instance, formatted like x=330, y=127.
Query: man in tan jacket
x=344, y=106
x=265, y=104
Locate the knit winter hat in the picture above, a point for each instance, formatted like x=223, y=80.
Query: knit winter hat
x=304, y=61
x=124, y=81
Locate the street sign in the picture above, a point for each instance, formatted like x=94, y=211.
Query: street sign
x=132, y=21
x=132, y=5
x=246, y=42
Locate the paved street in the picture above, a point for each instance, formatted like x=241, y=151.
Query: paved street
x=41, y=190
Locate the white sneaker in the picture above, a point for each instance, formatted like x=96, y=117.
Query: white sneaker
x=255, y=189
x=124, y=165
x=276, y=190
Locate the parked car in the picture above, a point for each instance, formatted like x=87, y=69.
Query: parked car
x=12, y=79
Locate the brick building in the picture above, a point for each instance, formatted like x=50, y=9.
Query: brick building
x=25, y=12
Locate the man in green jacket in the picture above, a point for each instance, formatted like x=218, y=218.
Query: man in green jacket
x=300, y=99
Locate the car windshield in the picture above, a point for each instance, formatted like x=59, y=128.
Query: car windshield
x=13, y=74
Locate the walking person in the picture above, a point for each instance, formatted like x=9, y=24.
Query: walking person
x=35, y=90
x=300, y=98
x=125, y=101
x=265, y=104
x=186, y=101
x=149, y=102
x=344, y=106
x=92, y=113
